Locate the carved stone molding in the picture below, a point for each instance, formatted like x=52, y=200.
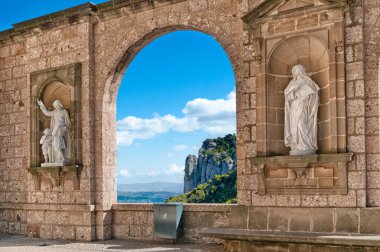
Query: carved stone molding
x=304, y=175
x=56, y=175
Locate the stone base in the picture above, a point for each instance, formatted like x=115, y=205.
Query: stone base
x=302, y=152
x=55, y=174
x=54, y=164
x=242, y=240
x=303, y=174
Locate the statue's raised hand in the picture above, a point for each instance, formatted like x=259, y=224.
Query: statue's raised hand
x=40, y=103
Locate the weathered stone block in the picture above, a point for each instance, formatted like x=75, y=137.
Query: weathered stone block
x=239, y=217
x=278, y=219
x=369, y=221
x=347, y=220
x=258, y=217
x=120, y=231
x=300, y=219
x=33, y=230
x=322, y=219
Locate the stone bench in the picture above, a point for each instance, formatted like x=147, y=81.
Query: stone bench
x=250, y=240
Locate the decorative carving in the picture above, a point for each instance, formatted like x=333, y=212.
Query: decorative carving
x=56, y=174
x=301, y=108
x=305, y=175
x=59, y=145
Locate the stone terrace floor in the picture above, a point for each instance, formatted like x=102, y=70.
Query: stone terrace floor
x=16, y=243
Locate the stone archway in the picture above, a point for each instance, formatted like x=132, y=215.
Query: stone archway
x=108, y=85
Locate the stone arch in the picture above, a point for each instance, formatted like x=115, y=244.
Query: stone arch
x=111, y=87
x=116, y=74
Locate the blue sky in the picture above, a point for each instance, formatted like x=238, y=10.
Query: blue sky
x=178, y=91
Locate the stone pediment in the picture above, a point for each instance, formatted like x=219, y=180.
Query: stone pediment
x=273, y=8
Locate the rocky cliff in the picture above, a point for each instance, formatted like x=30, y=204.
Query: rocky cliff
x=215, y=157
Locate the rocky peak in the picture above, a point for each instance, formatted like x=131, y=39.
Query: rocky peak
x=215, y=157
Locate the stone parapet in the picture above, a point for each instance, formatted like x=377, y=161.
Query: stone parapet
x=307, y=219
x=136, y=220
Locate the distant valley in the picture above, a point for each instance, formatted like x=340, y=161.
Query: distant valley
x=155, y=192
x=151, y=187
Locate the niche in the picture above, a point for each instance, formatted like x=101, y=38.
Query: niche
x=61, y=84
x=312, y=53
x=285, y=33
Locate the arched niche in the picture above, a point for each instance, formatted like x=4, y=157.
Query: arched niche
x=52, y=91
x=312, y=53
x=49, y=85
x=324, y=63
x=283, y=35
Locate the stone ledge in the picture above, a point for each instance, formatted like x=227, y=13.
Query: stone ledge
x=133, y=207
x=186, y=207
x=74, y=13
x=293, y=237
x=208, y=207
x=320, y=158
x=45, y=207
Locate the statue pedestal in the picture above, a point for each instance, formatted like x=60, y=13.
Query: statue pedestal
x=304, y=175
x=56, y=174
x=54, y=164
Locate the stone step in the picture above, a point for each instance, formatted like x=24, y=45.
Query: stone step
x=294, y=238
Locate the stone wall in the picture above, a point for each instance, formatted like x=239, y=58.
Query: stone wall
x=120, y=35
x=103, y=39
x=49, y=212
x=135, y=221
x=371, y=53
x=341, y=220
x=357, y=106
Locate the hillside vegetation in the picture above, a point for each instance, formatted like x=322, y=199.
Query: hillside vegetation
x=220, y=189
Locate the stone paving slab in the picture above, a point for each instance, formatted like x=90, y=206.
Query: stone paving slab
x=16, y=243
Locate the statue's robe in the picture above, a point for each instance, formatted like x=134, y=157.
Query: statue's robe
x=301, y=108
x=59, y=116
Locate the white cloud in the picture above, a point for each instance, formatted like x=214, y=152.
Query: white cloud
x=175, y=169
x=124, y=138
x=212, y=116
x=181, y=147
x=148, y=174
x=124, y=173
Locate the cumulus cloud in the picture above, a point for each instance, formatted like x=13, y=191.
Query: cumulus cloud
x=147, y=174
x=175, y=169
x=181, y=147
x=212, y=116
x=124, y=173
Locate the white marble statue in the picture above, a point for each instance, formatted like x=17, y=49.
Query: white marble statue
x=301, y=108
x=59, y=126
x=46, y=141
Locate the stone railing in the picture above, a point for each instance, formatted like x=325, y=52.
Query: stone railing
x=136, y=220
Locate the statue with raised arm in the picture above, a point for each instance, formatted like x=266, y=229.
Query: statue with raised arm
x=59, y=126
x=301, y=108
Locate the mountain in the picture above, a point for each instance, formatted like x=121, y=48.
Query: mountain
x=220, y=189
x=215, y=157
x=151, y=187
x=144, y=197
